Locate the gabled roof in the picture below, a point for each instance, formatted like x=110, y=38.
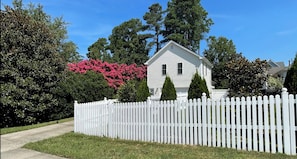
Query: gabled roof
x=180, y=46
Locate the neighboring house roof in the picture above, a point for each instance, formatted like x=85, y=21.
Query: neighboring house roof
x=276, y=67
x=161, y=51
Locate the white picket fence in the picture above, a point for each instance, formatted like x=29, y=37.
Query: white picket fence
x=264, y=124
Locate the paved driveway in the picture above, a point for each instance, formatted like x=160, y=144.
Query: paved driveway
x=11, y=143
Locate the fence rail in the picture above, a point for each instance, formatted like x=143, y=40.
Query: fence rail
x=264, y=124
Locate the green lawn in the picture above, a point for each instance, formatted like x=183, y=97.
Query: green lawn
x=27, y=127
x=78, y=146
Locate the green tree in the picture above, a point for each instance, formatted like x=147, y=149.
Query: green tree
x=247, y=78
x=168, y=90
x=291, y=78
x=154, y=21
x=127, y=44
x=142, y=91
x=30, y=69
x=197, y=87
x=69, y=53
x=127, y=92
x=220, y=51
x=186, y=23
x=99, y=50
x=87, y=87
x=57, y=26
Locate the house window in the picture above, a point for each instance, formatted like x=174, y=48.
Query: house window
x=164, y=69
x=180, y=68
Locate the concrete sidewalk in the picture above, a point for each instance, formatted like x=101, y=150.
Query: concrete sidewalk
x=11, y=143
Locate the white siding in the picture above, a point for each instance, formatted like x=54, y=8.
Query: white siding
x=171, y=56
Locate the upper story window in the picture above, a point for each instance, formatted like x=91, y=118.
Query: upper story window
x=179, y=68
x=164, y=69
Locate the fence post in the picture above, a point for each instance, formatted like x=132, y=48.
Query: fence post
x=75, y=116
x=286, y=121
x=204, y=122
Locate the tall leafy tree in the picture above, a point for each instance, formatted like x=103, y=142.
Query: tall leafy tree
x=57, y=26
x=168, y=90
x=291, y=78
x=69, y=53
x=99, y=50
x=220, y=51
x=30, y=68
x=247, y=78
x=186, y=23
x=154, y=21
x=128, y=44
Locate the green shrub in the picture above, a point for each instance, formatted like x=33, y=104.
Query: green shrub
x=127, y=92
x=197, y=87
x=168, y=90
x=30, y=69
x=291, y=78
x=142, y=91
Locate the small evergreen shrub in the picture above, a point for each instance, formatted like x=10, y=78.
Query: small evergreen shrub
x=197, y=87
x=142, y=91
x=168, y=90
x=127, y=92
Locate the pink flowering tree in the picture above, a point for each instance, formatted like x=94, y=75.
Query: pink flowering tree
x=115, y=74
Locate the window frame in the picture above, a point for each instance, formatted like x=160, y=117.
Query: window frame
x=180, y=68
x=164, y=69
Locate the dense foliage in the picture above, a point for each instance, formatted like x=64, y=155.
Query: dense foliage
x=154, y=23
x=85, y=87
x=168, y=90
x=197, y=87
x=99, y=51
x=128, y=44
x=220, y=51
x=115, y=74
x=127, y=92
x=142, y=91
x=186, y=23
x=247, y=78
x=30, y=69
x=291, y=78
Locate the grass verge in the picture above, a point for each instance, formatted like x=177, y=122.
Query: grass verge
x=27, y=127
x=78, y=146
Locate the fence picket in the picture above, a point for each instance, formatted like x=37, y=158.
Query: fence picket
x=266, y=125
x=252, y=123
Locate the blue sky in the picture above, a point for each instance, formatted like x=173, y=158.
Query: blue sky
x=265, y=29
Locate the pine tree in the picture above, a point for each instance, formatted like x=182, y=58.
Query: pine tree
x=197, y=87
x=168, y=90
x=291, y=78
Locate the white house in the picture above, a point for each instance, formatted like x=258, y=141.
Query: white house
x=180, y=64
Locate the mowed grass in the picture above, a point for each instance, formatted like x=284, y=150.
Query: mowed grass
x=27, y=127
x=78, y=146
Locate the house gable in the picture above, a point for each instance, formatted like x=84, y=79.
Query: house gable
x=180, y=64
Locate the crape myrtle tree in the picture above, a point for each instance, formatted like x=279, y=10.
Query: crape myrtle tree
x=168, y=90
x=197, y=87
x=31, y=68
x=186, y=23
x=291, y=78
